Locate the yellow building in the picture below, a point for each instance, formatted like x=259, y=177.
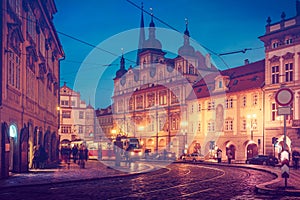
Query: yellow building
x=29, y=90
x=282, y=47
x=225, y=111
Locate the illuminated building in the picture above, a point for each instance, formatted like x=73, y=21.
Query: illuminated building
x=30, y=56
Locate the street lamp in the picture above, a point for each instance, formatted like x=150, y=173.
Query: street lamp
x=252, y=124
x=184, y=125
x=113, y=132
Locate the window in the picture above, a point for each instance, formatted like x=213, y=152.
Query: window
x=73, y=103
x=64, y=103
x=210, y=105
x=275, y=44
x=289, y=41
x=66, y=129
x=229, y=103
x=244, y=103
x=274, y=111
x=199, y=126
x=80, y=129
x=220, y=84
x=162, y=98
x=81, y=115
x=14, y=74
x=288, y=72
x=175, y=123
x=66, y=114
x=275, y=74
x=151, y=99
x=255, y=100
x=131, y=104
x=199, y=107
x=120, y=106
x=174, y=96
x=211, y=126
x=192, y=108
x=139, y=102
x=228, y=125
x=191, y=70
x=244, y=124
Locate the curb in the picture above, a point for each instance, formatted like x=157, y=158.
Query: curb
x=261, y=188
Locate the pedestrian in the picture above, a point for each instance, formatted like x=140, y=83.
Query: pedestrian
x=295, y=158
x=229, y=156
x=81, y=156
x=86, y=153
x=74, y=153
x=219, y=155
x=35, y=159
x=43, y=157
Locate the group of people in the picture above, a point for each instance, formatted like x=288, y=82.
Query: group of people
x=40, y=157
x=79, y=154
x=229, y=155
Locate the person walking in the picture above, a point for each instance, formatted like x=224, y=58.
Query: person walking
x=81, y=156
x=86, y=153
x=219, y=155
x=74, y=153
x=229, y=156
x=35, y=159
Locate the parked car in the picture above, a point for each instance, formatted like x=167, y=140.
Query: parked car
x=193, y=157
x=263, y=160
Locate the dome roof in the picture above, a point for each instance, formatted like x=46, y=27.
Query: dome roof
x=186, y=50
x=152, y=43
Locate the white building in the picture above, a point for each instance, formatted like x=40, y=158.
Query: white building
x=77, y=119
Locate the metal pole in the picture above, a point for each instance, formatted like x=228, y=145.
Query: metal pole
x=284, y=132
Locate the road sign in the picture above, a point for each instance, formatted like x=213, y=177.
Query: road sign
x=284, y=96
x=285, y=171
x=285, y=110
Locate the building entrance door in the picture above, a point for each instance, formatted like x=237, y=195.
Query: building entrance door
x=252, y=151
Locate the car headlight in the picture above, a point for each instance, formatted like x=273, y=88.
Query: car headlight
x=132, y=153
x=140, y=153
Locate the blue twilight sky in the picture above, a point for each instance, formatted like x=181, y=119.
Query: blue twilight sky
x=220, y=25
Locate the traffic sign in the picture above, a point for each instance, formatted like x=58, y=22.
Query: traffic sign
x=284, y=96
x=285, y=171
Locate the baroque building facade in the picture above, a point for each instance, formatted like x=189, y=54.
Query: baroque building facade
x=30, y=56
x=150, y=99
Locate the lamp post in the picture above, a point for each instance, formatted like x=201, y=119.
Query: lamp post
x=183, y=125
x=252, y=124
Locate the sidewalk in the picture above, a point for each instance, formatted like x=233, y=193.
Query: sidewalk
x=69, y=173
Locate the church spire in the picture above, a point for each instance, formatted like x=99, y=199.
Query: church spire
x=142, y=36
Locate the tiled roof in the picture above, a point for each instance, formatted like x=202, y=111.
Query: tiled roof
x=246, y=77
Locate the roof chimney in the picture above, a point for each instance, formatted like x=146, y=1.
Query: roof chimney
x=246, y=61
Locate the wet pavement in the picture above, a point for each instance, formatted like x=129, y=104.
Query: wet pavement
x=98, y=170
